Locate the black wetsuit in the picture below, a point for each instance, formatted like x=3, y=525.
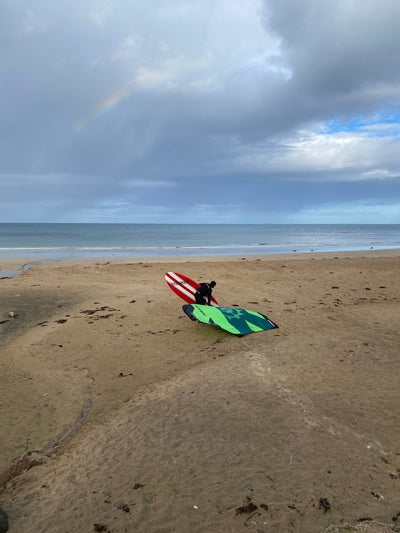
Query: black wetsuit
x=203, y=292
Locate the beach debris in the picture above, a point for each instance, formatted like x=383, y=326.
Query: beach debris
x=103, y=308
x=122, y=375
x=93, y=311
x=3, y=521
x=100, y=527
x=250, y=509
x=138, y=486
x=195, y=507
x=11, y=314
x=124, y=507
x=377, y=495
x=247, y=508
x=324, y=504
x=396, y=517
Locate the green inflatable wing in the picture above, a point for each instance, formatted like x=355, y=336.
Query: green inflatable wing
x=234, y=320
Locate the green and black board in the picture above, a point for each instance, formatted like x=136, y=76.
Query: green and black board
x=234, y=320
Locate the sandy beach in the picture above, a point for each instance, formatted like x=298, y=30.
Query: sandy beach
x=119, y=414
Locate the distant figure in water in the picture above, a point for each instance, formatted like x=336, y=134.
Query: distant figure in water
x=203, y=293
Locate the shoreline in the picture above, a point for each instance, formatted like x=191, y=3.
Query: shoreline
x=18, y=264
x=205, y=423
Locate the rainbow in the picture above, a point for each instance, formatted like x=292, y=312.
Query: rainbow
x=119, y=96
x=106, y=105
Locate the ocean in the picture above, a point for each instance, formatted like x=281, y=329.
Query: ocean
x=72, y=241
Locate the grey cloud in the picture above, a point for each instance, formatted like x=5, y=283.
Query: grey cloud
x=225, y=95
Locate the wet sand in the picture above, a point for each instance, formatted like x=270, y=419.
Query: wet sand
x=127, y=416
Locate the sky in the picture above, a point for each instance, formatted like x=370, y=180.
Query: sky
x=200, y=111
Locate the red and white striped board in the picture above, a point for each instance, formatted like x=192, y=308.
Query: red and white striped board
x=185, y=287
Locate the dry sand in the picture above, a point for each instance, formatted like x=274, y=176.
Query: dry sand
x=128, y=417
